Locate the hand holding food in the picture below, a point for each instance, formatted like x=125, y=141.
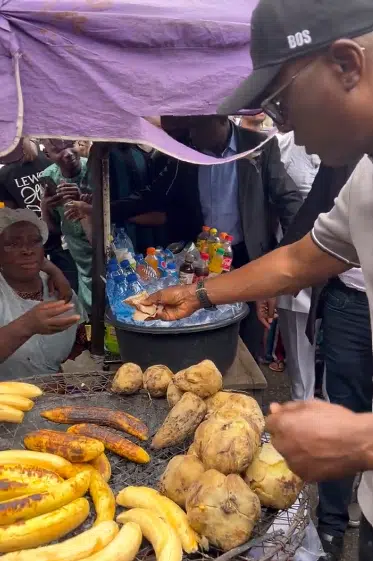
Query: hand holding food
x=313, y=437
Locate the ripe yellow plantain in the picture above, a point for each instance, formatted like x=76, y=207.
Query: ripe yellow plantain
x=76, y=548
x=103, y=466
x=16, y=401
x=124, y=546
x=145, y=497
x=102, y=497
x=36, y=459
x=16, y=480
x=20, y=388
x=10, y=414
x=30, y=506
x=43, y=529
x=160, y=534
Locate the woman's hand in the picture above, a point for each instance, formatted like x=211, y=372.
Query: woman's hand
x=45, y=318
x=77, y=210
x=178, y=302
x=57, y=282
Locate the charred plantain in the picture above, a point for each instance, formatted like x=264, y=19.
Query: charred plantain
x=113, y=442
x=74, y=448
x=98, y=416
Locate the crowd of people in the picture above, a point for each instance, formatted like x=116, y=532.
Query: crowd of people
x=316, y=288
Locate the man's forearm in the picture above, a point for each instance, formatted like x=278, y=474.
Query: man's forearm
x=283, y=271
x=362, y=434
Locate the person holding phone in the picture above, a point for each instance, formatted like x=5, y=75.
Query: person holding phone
x=65, y=181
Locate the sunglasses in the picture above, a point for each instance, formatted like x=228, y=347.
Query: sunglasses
x=273, y=107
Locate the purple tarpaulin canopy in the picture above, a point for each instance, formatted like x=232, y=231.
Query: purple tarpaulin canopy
x=91, y=68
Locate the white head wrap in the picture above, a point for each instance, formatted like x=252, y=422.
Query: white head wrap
x=9, y=216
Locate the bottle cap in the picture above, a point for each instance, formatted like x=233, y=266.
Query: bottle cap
x=230, y=238
x=189, y=258
x=125, y=263
x=205, y=256
x=120, y=279
x=223, y=235
x=131, y=277
x=206, y=229
x=150, y=251
x=220, y=251
x=139, y=257
x=213, y=231
x=2, y=205
x=171, y=266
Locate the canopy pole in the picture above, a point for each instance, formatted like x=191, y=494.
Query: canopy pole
x=99, y=174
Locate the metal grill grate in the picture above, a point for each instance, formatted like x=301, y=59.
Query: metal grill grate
x=92, y=389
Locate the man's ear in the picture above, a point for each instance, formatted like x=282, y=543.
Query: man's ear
x=348, y=60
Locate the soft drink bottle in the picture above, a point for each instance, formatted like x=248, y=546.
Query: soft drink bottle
x=202, y=238
x=216, y=263
x=143, y=269
x=228, y=254
x=171, y=270
x=186, y=273
x=201, y=268
x=151, y=259
x=213, y=242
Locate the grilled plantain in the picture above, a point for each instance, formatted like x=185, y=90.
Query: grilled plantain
x=16, y=481
x=75, y=448
x=10, y=414
x=102, y=497
x=98, y=416
x=44, y=528
x=103, y=466
x=29, y=506
x=113, y=442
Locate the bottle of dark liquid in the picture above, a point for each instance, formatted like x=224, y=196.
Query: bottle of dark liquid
x=186, y=273
x=201, y=268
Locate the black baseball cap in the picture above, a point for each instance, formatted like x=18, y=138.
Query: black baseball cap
x=283, y=30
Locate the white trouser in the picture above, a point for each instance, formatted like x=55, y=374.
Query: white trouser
x=300, y=354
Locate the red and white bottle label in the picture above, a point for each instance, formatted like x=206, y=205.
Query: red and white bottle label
x=227, y=264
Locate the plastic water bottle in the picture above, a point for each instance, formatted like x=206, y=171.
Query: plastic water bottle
x=119, y=308
x=169, y=256
x=134, y=285
x=126, y=267
x=171, y=270
x=112, y=270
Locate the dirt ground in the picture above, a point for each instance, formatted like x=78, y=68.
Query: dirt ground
x=278, y=390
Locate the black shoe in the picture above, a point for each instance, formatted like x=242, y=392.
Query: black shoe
x=333, y=547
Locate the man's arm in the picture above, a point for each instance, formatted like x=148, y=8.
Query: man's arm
x=283, y=192
x=284, y=271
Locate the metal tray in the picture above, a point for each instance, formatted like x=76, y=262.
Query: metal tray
x=93, y=389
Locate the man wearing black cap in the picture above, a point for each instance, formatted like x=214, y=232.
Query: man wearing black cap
x=313, y=74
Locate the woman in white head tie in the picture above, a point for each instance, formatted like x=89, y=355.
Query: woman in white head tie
x=37, y=331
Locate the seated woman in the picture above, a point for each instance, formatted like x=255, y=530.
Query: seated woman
x=37, y=331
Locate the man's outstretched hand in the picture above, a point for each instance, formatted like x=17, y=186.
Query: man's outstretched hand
x=175, y=303
x=321, y=441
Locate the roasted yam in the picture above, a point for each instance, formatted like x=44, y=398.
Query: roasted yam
x=113, y=441
x=98, y=416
